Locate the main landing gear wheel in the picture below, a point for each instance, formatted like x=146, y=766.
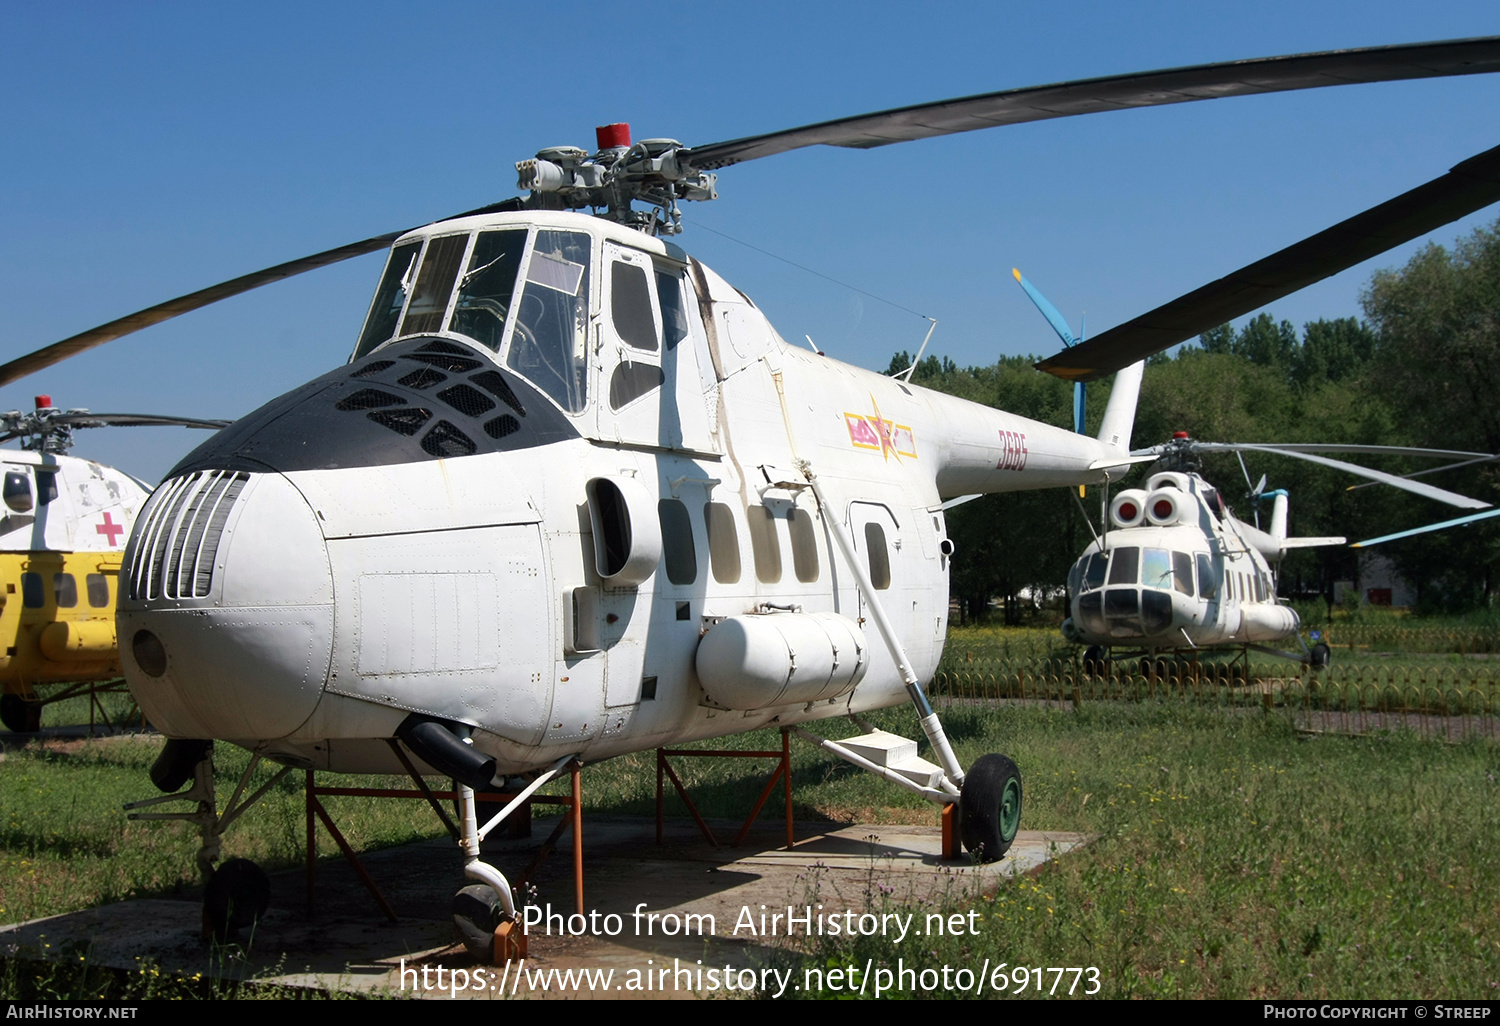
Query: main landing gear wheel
x=990, y=807
x=476, y=914
x=1319, y=656
x=236, y=896
x=20, y=715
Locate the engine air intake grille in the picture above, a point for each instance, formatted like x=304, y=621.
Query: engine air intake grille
x=182, y=526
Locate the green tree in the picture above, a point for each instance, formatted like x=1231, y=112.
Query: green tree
x=1438, y=360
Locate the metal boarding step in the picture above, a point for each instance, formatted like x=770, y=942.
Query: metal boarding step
x=897, y=754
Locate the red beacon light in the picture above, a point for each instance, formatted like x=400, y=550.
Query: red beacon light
x=44, y=402
x=613, y=137
x=1179, y=434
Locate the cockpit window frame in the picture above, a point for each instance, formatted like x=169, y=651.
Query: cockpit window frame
x=591, y=290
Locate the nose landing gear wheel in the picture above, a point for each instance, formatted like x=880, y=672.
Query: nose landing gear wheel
x=236, y=896
x=476, y=913
x=990, y=807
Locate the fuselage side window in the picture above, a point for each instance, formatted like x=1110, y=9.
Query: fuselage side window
x=764, y=543
x=804, y=544
x=723, y=542
x=98, y=589
x=487, y=287
x=390, y=297
x=1208, y=586
x=33, y=596
x=677, y=550
x=880, y=559
x=549, y=346
x=66, y=588
x=46, y=486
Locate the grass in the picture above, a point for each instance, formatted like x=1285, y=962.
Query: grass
x=1233, y=857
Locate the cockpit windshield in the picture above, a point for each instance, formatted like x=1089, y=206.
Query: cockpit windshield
x=549, y=345
x=390, y=297
x=485, y=290
x=549, y=307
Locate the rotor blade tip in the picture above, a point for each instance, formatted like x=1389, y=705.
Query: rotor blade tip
x=1016, y=273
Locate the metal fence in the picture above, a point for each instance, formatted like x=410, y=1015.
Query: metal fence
x=1448, y=702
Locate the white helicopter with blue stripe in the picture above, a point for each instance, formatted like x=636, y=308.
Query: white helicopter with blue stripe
x=572, y=496
x=1174, y=571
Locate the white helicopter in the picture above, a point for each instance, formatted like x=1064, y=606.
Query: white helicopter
x=573, y=496
x=63, y=528
x=1175, y=570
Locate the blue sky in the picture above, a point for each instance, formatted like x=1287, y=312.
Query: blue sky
x=154, y=149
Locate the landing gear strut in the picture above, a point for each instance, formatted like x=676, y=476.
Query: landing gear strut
x=236, y=893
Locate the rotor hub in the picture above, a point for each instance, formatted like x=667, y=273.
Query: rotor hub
x=653, y=171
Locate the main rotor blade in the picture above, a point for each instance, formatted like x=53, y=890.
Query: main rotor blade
x=1382, y=450
x=1469, y=186
x=1458, y=522
x=84, y=341
x=1405, y=484
x=1118, y=92
x=88, y=420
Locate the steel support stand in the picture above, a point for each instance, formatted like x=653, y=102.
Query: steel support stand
x=572, y=820
x=782, y=773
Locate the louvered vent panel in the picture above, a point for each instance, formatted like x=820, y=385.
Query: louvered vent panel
x=180, y=541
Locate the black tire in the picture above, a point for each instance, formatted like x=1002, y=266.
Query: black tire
x=476, y=914
x=990, y=807
x=1320, y=656
x=235, y=898
x=20, y=715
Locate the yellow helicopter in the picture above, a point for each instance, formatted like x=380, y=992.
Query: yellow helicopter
x=62, y=534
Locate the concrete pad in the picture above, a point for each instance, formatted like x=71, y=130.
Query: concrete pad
x=713, y=910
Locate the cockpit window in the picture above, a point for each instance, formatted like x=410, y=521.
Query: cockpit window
x=674, y=318
x=550, y=343
x=1093, y=577
x=1182, y=573
x=1122, y=565
x=390, y=297
x=1156, y=569
x=429, y=302
x=630, y=304
x=485, y=290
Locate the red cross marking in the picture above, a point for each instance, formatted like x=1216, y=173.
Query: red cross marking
x=110, y=529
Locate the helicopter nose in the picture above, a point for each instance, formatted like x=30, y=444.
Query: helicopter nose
x=225, y=614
